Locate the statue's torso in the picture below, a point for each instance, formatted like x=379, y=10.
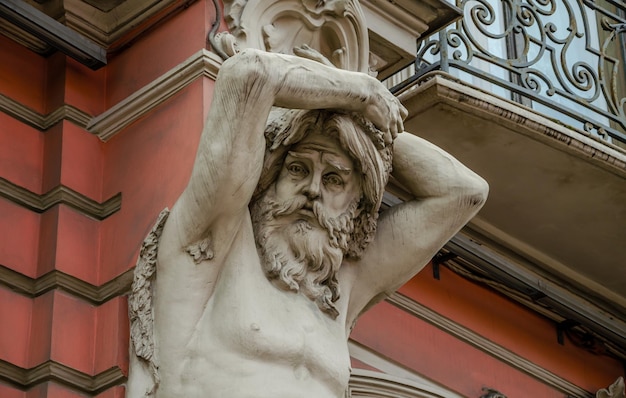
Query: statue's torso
x=255, y=340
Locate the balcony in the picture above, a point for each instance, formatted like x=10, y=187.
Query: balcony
x=564, y=60
x=531, y=94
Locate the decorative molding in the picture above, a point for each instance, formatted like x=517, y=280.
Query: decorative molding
x=59, y=195
x=43, y=122
x=111, y=122
x=121, y=24
x=366, y=383
x=486, y=233
x=497, y=351
x=442, y=87
x=24, y=38
x=422, y=18
x=54, y=371
x=67, y=112
x=335, y=28
x=390, y=368
x=106, y=125
x=59, y=280
x=540, y=290
x=394, y=27
x=54, y=33
x=110, y=24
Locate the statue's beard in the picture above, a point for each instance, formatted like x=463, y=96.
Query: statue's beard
x=302, y=255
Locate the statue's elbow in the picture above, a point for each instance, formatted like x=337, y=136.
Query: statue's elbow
x=249, y=64
x=476, y=194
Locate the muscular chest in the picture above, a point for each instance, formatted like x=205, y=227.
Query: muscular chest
x=249, y=317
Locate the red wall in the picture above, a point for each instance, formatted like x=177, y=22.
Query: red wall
x=466, y=369
x=48, y=332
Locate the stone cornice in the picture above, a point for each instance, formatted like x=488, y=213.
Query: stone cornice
x=111, y=122
x=442, y=87
x=106, y=125
x=125, y=22
x=59, y=195
x=110, y=27
x=365, y=383
x=54, y=371
x=24, y=38
x=59, y=280
x=497, y=351
x=43, y=122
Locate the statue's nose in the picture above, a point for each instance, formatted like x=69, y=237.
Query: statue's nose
x=312, y=189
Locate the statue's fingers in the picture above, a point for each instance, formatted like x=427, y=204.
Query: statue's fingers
x=302, y=51
x=393, y=132
x=394, y=135
x=400, y=127
x=403, y=112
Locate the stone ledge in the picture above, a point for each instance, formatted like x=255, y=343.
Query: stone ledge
x=495, y=350
x=439, y=87
x=43, y=122
x=555, y=207
x=125, y=112
x=59, y=195
x=367, y=383
x=96, y=295
x=109, y=123
x=54, y=371
x=111, y=26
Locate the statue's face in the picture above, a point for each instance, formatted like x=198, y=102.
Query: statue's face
x=304, y=221
x=318, y=169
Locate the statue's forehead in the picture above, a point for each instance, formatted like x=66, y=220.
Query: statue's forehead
x=328, y=148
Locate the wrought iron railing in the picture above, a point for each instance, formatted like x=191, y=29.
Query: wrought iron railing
x=564, y=58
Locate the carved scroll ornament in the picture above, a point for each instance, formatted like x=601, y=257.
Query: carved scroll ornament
x=335, y=28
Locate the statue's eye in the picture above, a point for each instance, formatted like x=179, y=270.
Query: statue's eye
x=333, y=180
x=297, y=169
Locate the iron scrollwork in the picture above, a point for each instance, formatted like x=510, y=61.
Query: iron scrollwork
x=562, y=54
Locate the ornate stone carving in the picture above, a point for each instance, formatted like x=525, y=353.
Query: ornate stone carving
x=335, y=28
x=276, y=246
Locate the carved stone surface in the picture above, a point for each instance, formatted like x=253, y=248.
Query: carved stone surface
x=335, y=28
x=276, y=246
x=252, y=285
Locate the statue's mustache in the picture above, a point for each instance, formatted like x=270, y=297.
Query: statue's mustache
x=270, y=211
x=292, y=206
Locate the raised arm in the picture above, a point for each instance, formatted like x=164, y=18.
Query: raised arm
x=231, y=150
x=447, y=195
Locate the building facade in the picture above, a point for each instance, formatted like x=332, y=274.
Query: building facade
x=101, y=107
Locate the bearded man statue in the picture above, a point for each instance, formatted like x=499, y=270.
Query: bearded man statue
x=252, y=283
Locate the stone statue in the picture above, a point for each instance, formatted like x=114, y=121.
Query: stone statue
x=252, y=284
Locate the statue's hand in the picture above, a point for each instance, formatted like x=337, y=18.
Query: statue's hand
x=381, y=108
x=304, y=51
x=386, y=112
